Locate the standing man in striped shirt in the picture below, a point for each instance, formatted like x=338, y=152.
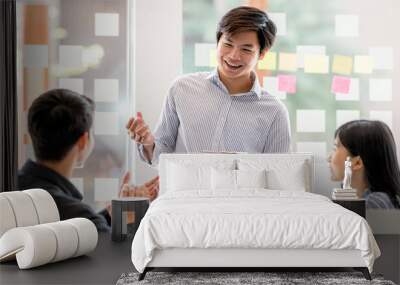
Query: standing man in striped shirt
x=222, y=110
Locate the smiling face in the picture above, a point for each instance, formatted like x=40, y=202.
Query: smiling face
x=237, y=56
x=336, y=160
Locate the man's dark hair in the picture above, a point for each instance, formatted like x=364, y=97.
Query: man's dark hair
x=245, y=19
x=56, y=120
x=374, y=143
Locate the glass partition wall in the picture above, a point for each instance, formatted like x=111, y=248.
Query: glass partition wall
x=80, y=45
x=332, y=62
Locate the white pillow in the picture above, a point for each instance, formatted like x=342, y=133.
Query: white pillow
x=223, y=179
x=281, y=174
x=293, y=180
x=183, y=177
x=251, y=178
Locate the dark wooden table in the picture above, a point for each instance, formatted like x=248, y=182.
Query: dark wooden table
x=104, y=265
x=357, y=206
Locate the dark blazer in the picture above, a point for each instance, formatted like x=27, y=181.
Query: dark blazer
x=68, y=199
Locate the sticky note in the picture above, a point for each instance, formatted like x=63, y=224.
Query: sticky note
x=302, y=51
x=342, y=64
x=106, y=90
x=213, y=58
x=279, y=19
x=382, y=58
x=78, y=183
x=271, y=86
x=346, y=25
x=310, y=121
x=268, y=62
x=70, y=56
x=106, y=24
x=380, y=89
x=106, y=123
x=353, y=94
x=362, y=64
x=92, y=55
x=202, y=53
x=316, y=64
x=105, y=189
x=36, y=56
x=34, y=79
x=287, y=61
x=340, y=84
x=74, y=84
x=287, y=83
x=384, y=116
x=316, y=148
x=344, y=116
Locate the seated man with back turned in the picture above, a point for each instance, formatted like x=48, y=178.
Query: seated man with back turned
x=60, y=123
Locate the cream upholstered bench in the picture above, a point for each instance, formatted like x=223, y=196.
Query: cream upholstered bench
x=31, y=230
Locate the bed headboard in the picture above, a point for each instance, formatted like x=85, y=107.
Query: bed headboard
x=286, y=167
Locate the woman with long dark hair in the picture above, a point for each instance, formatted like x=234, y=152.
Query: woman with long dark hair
x=375, y=168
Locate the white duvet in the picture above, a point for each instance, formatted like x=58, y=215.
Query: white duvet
x=250, y=219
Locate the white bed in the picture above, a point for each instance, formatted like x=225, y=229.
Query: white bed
x=247, y=210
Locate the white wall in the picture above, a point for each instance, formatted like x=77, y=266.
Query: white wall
x=157, y=60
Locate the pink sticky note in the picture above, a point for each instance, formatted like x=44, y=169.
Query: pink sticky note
x=340, y=84
x=287, y=83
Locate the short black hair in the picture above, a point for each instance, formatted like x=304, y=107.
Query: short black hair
x=245, y=19
x=56, y=120
x=374, y=143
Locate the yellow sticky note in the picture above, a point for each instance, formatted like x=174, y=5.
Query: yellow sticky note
x=287, y=61
x=213, y=57
x=316, y=64
x=362, y=64
x=342, y=64
x=268, y=62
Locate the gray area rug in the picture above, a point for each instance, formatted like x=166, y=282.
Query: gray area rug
x=273, y=278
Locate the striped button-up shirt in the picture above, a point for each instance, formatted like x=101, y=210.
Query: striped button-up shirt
x=200, y=115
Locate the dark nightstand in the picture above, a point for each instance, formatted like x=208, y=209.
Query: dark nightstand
x=127, y=212
x=357, y=206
